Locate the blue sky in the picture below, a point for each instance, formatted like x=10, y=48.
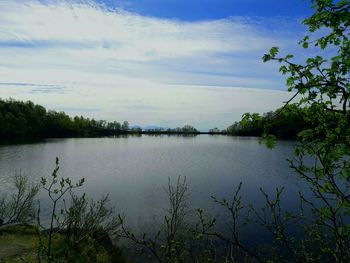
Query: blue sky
x=191, y=10
x=152, y=62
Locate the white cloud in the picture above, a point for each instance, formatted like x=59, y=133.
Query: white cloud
x=115, y=61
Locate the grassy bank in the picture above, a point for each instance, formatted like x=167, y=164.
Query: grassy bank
x=20, y=243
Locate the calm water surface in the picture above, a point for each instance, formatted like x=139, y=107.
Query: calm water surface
x=134, y=171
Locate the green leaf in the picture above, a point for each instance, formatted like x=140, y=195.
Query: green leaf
x=274, y=51
x=269, y=141
x=266, y=58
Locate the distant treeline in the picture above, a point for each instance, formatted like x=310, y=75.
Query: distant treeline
x=23, y=120
x=187, y=129
x=20, y=119
x=284, y=123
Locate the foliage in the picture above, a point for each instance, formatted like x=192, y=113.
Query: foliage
x=90, y=250
x=187, y=129
x=284, y=123
x=56, y=189
x=85, y=219
x=78, y=228
x=175, y=241
x=236, y=249
x=27, y=120
x=323, y=157
x=215, y=130
x=18, y=244
x=19, y=207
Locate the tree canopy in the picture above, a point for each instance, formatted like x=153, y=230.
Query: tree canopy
x=27, y=120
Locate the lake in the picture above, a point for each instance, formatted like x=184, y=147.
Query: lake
x=134, y=171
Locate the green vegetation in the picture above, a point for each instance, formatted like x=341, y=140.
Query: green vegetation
x=322, y=156
x=18, y=208
x=176, y=240
x=80, y=230
x=27, y=120
x=18, y=242
x=284, y=123
x=187, y=129
x=322, y=160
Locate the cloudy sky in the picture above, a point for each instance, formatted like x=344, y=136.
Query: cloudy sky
x=151, y=62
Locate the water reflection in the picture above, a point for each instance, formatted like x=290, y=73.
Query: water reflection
x=134, y=169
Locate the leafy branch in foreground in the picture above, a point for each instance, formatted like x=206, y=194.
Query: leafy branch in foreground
x=307, y=236
x=322, y=157
x=237, y=222
x=89, y=219
x=19, y=207
x=76, y=223
x=175, y=241
x=56, y=189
